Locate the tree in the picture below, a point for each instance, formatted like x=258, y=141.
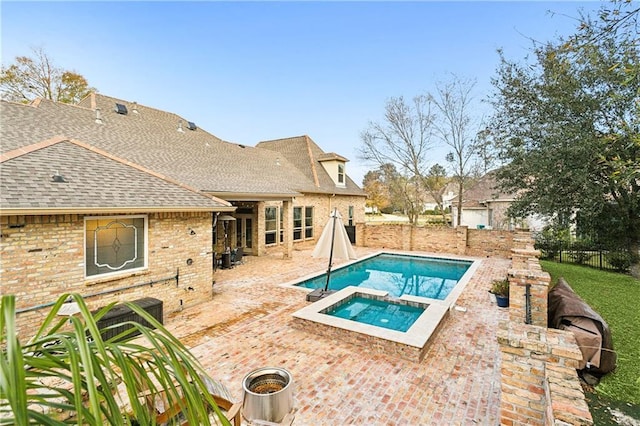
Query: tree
x=455, y=126
x=568, y=125
x=437, y=181
x=376, y=189
x=37, y=77
x=400, y=145
x=403, y=141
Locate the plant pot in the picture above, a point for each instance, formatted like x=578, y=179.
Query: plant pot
x=502, y=301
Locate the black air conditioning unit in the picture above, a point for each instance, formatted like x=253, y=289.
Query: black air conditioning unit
x=121, y=313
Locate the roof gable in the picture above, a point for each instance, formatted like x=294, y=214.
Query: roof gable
x=108, y=183
x=303, y=153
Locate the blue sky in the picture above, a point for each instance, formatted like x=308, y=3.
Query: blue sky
x=252, y=71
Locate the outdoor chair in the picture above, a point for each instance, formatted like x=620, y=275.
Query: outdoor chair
x=236, y=256
x=171, y=414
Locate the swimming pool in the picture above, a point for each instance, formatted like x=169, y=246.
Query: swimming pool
x=393, y=279
x=394, y=315
x=397, y=274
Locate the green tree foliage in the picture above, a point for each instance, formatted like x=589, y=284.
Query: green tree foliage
x=568, y=125
x=37, y=77
x=376, y=189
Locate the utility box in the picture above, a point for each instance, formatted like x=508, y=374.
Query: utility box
x=121, y=313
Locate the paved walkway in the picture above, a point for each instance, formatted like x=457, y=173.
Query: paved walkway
x=247, y=325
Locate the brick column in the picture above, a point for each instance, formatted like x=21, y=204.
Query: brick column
x=287, y=224
x=539, y=382
x=538, y=282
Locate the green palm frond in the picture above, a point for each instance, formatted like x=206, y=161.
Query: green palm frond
x=67, y=370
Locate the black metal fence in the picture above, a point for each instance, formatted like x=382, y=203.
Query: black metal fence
x=580, y=253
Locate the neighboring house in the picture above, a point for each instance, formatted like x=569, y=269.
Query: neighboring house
x=118, y=201
x=484, y=206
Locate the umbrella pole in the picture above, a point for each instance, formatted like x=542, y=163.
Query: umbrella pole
x=333, y=235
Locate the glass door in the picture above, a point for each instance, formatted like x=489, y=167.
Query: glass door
x=244, y=232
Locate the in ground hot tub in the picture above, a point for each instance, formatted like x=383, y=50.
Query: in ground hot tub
x=268, y=394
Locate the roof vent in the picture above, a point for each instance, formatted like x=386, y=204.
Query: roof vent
x=121, y=109
x=180, y=129
x=98, y=116
x=191, y=125
x=134, y=108
x=58, y=178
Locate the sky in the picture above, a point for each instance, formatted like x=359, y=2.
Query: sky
x=253, y=71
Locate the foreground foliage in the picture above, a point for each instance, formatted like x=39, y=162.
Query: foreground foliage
x=67, y=368
x=616, y=297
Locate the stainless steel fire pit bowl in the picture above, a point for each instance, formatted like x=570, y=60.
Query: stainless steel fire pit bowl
x=268, y=394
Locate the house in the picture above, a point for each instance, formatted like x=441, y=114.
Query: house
x=119, y=201
x=484, y=206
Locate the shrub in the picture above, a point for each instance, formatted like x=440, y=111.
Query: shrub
x=620, y=260
x=500, y=287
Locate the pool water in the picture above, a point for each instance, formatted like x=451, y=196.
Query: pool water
x=394, y=316
x=398, y=275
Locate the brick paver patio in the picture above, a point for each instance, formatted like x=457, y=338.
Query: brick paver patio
x=247, y=325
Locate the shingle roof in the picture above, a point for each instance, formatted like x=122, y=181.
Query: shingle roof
x=306, y=155
x=484, y=190
x=95, y=181
x=151, y=139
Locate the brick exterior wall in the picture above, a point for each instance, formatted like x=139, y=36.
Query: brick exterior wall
x=42, y=257
x=322, y=205
x=539, y=383
x=436, y=239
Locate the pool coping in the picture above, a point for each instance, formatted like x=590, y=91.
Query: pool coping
x=416, y=336
x=411, y=344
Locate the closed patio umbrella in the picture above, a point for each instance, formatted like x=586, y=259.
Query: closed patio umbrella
x=334, y=243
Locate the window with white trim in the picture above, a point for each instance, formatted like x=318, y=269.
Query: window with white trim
x=115, y=244
x=308, y=222
x=341, y=174
x=297, y=223
x=270, y=225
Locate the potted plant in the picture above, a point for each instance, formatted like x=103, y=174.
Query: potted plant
x=88, y=371
x=501, y=290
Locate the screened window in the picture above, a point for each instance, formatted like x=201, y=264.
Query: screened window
x=115, y=244
x=341, y=173
x=270, y=225
x=308, y=222
x=282, y=225
x=297, y=223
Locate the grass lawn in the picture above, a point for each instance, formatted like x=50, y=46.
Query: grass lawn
x=616, y=297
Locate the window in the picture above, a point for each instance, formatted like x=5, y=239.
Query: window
x=297, y=223
x=308, y=222
x=341, y=174
x=270, y=225
x=281, y=225
x=115, y=244
x=350, y=215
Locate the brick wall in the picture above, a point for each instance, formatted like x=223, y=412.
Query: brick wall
x=323, y=205
x=539, y=383
x=42, y=257
x=436, y=239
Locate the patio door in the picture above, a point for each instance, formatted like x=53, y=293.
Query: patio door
x=244, y=232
